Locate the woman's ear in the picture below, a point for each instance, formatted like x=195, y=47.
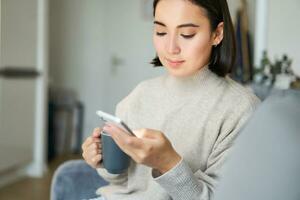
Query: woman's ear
x=218, y=34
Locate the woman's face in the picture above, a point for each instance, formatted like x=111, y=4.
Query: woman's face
x=182, y=36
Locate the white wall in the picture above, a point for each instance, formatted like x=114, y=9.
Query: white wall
x=77, y=48
x=129, y=37
x=84, y=36
x=284, y=30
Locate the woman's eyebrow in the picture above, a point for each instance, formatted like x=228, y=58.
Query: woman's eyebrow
x=179, y=26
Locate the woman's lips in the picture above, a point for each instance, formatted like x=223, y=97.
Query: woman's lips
x=175, y=63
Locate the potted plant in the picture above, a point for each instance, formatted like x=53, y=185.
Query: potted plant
x=277, y=74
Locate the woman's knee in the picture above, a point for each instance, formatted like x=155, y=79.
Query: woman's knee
x=75, y=178
x=64, y=178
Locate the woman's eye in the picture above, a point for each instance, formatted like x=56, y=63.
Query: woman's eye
x=187, y=36
x=160, y=33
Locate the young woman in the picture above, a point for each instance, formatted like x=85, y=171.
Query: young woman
x=185, y=121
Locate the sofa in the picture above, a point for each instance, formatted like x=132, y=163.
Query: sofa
x=265, y=160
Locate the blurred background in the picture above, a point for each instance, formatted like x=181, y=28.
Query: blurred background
x=61, y=60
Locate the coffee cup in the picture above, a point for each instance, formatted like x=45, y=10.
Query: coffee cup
x=115, y=161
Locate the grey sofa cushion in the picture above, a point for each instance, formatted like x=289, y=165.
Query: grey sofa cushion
x=265, y=162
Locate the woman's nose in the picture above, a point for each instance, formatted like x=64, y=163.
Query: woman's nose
x=172, y=46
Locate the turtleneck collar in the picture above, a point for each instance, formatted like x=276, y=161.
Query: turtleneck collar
x=190, y=84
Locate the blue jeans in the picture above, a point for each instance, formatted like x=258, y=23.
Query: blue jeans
x=75, y=180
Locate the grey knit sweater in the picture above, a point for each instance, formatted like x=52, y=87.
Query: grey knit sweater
x=201, y=115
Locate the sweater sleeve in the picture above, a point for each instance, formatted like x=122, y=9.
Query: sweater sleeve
x=200, y=185
x=121, y=112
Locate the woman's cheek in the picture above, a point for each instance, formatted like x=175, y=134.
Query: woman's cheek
x=199, y=51
x=158, y=45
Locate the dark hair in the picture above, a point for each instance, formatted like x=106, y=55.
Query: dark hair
x=223, y=56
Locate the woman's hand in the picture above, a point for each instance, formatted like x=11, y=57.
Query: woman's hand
x=150, y=147
x=92, y=151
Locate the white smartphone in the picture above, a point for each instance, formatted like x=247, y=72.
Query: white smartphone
x=105, y=117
